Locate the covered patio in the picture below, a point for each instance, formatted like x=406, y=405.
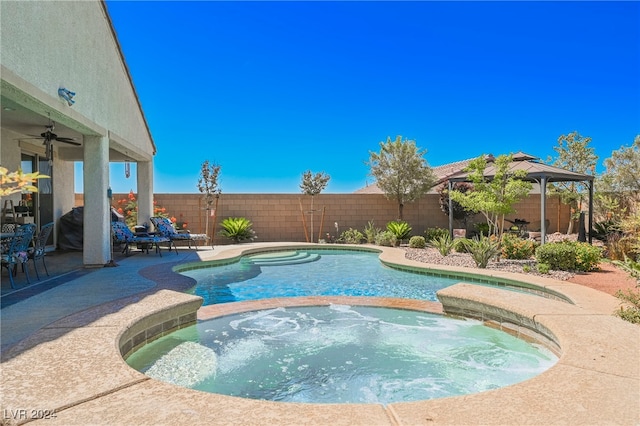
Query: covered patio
x=81, y=107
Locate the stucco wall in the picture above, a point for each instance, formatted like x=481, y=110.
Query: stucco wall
x=69, y=43
x=277, y=217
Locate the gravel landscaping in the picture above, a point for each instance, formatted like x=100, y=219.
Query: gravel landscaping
x=431, y=255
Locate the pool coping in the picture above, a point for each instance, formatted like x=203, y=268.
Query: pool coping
x=75, y=366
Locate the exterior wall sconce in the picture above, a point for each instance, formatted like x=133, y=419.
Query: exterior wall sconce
x=67, y=95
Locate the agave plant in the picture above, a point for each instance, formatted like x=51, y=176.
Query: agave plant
x=238, y=229
x=443, y=243
x=400, y=229
x=482, y=250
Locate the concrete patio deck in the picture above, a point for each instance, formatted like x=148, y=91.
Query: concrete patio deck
x=62, y=362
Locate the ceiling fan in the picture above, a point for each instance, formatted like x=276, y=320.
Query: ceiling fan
x=49, y=137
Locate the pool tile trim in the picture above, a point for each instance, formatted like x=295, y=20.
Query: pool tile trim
x=596, y=380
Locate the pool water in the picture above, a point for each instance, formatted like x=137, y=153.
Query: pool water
x=341, y=354
x=312, y=273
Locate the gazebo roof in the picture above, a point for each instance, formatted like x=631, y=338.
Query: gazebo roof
x=532, y=166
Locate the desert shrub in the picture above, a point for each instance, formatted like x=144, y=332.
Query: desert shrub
x=433, y=233
x=386, y=238
x=482, y=250
x=417, y=241
x=543, y=268
x=351, y=236
x=514, y=247
x=238, y=229
x=569, y=256
x=370, y=232
x=399, y=228
x=444, y=244
x=619, y=246
x=460, y=245
x=629, y=313
x=588, y=257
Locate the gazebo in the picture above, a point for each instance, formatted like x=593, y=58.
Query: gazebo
x=537, y=172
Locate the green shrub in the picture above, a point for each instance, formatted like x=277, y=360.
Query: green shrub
x=386, y=238
x=482, y=250
x=370, y=231
x=543, y=268
x=417, y=241
x=482, y=228
x=444, y=244
x=569, y=256
x=238, y=229
x=351, y=236
x=460, y=245
x=514, y=247
x=433, y=233
x=588, y=257
x=400, y=229
x=629, y=313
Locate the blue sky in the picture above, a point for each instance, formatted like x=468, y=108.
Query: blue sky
x=271, y=89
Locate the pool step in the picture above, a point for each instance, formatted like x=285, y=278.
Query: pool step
x=282, y=258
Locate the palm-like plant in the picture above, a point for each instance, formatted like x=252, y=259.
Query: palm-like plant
x=400, y=229
x=238, y=229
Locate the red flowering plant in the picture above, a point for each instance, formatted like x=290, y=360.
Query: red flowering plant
x=128, y=207
x=179, y=224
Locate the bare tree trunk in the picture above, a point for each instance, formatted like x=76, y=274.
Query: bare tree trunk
x=312, y=218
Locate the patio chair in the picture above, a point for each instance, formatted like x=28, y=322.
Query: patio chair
x=17, y=251
x=123, y=235
x=37, y=252
x=165, y=228
x=7, y=228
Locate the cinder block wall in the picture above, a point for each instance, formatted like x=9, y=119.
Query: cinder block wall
x=277, y=217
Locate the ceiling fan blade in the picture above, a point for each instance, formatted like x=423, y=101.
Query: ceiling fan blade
x=70, y=141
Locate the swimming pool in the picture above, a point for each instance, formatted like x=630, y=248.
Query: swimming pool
x=330, y=272
x=341, y=354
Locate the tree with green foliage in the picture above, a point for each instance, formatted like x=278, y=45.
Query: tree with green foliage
x=313, y=185
x=573, y=154
x=493, y=196
x=401, y=171
x=622, y=175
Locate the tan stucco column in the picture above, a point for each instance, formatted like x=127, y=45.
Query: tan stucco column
x=145, y=191
x=97, y=213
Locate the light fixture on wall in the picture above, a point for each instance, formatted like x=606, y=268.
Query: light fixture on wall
x=67, y=95
x=127, y=169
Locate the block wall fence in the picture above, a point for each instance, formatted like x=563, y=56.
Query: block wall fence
x=277, y=217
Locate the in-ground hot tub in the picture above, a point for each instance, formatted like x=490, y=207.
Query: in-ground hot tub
x=341, y=354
